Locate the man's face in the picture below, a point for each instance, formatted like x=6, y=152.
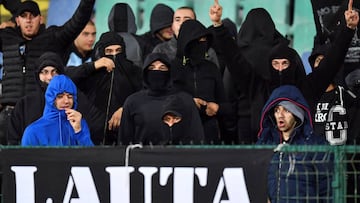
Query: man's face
x=113, y=50
x=285, y=120
x=280, y=64
x=171, y=119
x=47, y=73
x=158, y=65
x=29, y=24
x=86, y=39
x=64, y=101
x=165, y=34
x=180, y=16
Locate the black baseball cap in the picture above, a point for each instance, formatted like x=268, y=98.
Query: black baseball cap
x=30, y=6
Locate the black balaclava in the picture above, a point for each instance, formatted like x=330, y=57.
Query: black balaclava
x=291, y=75
x=189, y=48
x=156, y=80
x=197, y=51
x=107, y=39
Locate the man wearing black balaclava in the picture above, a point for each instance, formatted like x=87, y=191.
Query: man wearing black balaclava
x=108, y=81
x=201, y=78
x=143, y=111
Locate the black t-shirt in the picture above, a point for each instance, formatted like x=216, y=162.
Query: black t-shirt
x=331, y=117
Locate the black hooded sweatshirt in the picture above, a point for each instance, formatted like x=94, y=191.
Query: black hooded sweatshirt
x=199, y=77
x=141, y=121
x=161, y=17
x=122, y=21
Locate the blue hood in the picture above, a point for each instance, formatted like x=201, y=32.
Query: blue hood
x=268, y=133
x=59, y=84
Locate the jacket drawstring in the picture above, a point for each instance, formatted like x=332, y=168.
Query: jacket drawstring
x=108, y=106
x=60, y=130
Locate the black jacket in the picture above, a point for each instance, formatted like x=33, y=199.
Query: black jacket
x=198, y=76
x=20, y=55
x=97, y=84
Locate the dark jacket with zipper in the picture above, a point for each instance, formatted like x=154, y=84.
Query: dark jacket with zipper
x=20, y=55
x=296, y=175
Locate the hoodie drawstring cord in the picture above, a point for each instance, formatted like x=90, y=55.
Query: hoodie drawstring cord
x=108, y=106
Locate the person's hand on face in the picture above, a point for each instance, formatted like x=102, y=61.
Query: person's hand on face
x=74, y=117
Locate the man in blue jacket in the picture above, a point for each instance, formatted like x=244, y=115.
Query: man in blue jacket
x=61, y=124
x=293, y=177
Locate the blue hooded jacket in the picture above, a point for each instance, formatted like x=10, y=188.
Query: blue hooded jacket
x=295, y=176
x=53, y=128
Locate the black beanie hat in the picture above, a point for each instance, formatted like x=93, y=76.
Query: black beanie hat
x=50, y=59
x=30, y=6
x=161, y=17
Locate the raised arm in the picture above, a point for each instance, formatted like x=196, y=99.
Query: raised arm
x=73, y=27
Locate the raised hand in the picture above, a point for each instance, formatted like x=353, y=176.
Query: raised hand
x=351, y=16
x=215, y=13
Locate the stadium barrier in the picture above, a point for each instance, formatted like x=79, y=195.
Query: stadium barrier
x=222, y=174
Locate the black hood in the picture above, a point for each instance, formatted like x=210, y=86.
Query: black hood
x=256, y=37
x=191, y=30
x=258, y=25
x=318, y=50
x=293, y=75
x=122, y=19
x=150, y=59
x=107, y=39
x=161, y=17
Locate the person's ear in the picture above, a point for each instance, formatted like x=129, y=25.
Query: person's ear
x=17, y=21
x=42, y=21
